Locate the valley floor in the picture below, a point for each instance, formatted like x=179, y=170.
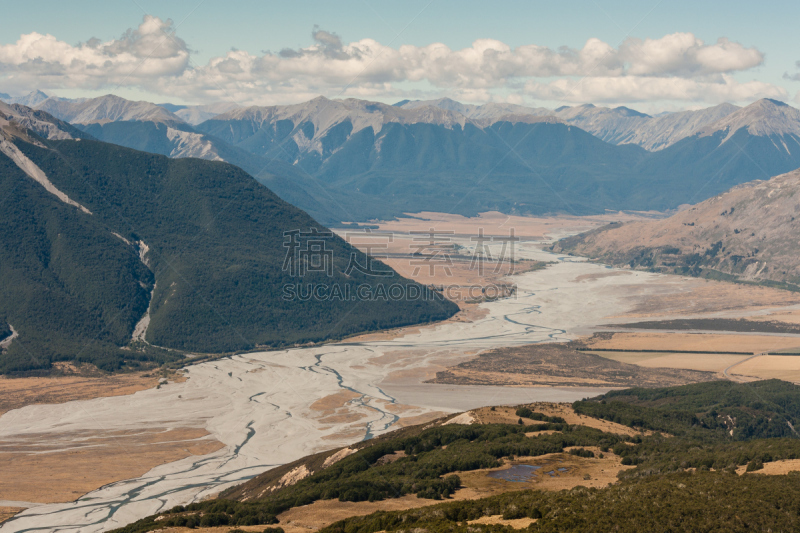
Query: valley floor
x=270, y=408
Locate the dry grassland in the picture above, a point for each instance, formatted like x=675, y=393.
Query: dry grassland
x=9, y=512
x=688, y=361
x=785, y=367
x=696, y=296
x=329, y=404
x=19, y=392
x=707, y=342
x=789, y=316
x=495, y=223
x=515, y=523
x=325, y=512
x=740, y=365
x=52, y=467
x=337, y=409
x=334, y=409
x=506, y=415
x=444, y=268
x=587, y=472
x=774, y=468
x=395, y=244
x=558, y=364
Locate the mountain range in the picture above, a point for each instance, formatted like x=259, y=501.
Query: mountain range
x=155, y=128
x=344, y=160
x=116, y=257
x=196, y=114
x=748, y=233
x=620, y=125
x=378, y=160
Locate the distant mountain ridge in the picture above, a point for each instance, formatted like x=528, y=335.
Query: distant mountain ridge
x=39, y=122
x=667, y=129
x=196, y=114
x=154, y=128
x=764, y=118
x=106, y=109
x=358, y=160
x=31, y=99
x=620, y=125
x=378, y=161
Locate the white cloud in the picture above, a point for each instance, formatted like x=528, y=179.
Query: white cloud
x=683, y=54
x=644, y=89
x=674, y=67
x=140, y=56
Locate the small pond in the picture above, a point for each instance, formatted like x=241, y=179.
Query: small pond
x=517, y=473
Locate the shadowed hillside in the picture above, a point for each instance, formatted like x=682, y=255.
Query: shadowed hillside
x=109, y=234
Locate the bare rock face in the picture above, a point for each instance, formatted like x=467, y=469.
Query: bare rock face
x=663, y=131
x=764, y=118
x=39, y=122
x=749, y=232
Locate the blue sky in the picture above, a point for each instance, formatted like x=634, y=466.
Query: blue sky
x=211, y=29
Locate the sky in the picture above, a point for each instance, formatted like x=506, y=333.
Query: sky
x=652, y=55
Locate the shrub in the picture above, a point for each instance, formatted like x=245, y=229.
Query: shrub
x=754, y=465
x=524, y=412
x=581, y=452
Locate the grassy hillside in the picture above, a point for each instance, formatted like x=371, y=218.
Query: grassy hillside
x=699, y=435
x=75, y=290
x=691, y=502
x=746, y=234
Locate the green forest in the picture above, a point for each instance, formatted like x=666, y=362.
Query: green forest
x=691, y=502
x=684, y=476
x=5, y=331
x=74, y=287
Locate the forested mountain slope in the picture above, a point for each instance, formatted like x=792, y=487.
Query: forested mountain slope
x=91, y=229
